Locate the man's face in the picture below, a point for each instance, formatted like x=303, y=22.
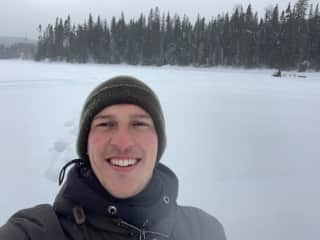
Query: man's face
x=122, y=148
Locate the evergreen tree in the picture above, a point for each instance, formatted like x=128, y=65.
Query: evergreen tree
x=68, y=40
x=314, y=38
x=114, y=43
x=169, y=42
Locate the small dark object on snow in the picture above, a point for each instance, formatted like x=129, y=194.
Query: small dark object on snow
x=277, y=74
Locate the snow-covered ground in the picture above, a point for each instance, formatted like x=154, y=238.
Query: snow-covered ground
x=244, y=145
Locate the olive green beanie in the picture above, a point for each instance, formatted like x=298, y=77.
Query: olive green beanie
x=117, y=90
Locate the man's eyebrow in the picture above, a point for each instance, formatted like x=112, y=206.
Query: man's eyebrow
x=102, y=116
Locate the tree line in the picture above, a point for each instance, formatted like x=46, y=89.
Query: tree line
x=280, y=39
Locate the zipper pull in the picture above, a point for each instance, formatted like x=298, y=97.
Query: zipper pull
x=142, y=235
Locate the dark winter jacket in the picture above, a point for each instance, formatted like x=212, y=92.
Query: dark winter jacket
x=98, y=217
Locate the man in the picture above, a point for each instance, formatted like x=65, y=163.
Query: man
x=118, y=189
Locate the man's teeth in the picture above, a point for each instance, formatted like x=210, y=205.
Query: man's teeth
x=123, y=162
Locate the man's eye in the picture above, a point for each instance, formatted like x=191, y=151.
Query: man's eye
x=105, y=124
x=140, y=124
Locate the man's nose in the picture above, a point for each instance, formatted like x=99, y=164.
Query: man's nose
x=121, y=138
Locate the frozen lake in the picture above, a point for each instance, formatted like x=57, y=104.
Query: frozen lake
x=245, y=145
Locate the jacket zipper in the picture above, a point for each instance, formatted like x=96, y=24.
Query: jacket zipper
x=142, y=232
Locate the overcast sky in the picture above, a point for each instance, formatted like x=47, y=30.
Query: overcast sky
x=21, y=17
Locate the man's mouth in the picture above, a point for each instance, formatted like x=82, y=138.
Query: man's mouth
x=123, y=162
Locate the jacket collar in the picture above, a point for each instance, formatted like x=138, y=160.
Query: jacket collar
x=156, y=218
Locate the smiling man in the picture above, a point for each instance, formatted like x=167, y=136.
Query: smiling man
x=118, y=188
x=122, y=148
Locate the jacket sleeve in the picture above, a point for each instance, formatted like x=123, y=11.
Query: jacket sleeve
x=212, y=228
x=194, y=223
x=10, y=231
x=37, y=223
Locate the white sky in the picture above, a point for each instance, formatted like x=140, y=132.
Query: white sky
x=21, y=17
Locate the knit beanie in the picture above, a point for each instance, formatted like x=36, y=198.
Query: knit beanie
x=117, y=90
